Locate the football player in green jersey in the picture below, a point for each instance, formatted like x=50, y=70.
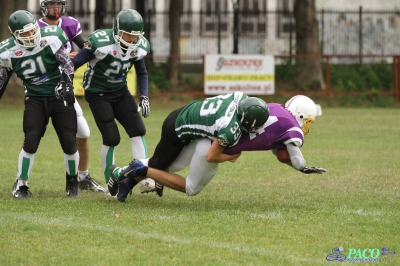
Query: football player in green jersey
x=222, y=119
x=110, y=54
x=35, y=55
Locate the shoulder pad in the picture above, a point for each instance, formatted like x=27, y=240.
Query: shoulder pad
x=144, y=44
x=6, y=44
x=98, y=39
x=54, y=31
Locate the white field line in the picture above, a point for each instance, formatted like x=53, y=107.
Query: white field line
x=65, y=222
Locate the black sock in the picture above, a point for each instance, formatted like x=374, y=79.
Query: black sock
x=133, y=182
x=142, y=171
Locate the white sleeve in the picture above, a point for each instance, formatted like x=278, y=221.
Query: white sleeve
x=296, y=157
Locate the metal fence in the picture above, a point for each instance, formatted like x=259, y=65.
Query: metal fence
x=272, y=32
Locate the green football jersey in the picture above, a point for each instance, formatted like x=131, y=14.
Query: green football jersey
x=107, y=71
x=215, y=117
x=37, y=67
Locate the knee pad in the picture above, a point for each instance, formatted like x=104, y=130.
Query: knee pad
x=30, y=147
x=112, y=140
x=83, y=127
x=31, y=142
x=68, y=143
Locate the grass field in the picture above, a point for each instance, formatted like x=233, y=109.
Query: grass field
x=256, y=211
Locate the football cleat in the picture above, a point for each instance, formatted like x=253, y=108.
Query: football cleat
x=90, y=183
x=20, y=192
x=147, y=185
x=112, y=184
x=71, y=187
x=124, y=189
x=159, y=189
x=131, y=170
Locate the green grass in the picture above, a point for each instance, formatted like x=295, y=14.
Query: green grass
x=256, y=211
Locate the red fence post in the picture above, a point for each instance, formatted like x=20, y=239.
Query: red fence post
x=396, y=77
x=328, y=76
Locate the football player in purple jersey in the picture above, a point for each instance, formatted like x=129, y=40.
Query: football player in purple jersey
x=285, y=129
x=53, y=12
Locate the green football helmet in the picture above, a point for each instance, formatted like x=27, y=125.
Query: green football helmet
x=128, y=21
x=21, y=22
x=253, y=113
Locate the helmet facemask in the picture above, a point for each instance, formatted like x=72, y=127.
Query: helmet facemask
x=28, y=41
x=307, y=121
x=128, y=45
x=129, y=24
x=61, y=5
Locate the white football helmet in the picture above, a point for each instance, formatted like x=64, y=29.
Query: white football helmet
x=303, y=109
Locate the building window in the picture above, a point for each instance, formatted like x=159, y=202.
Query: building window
x=186, y=18
x=210, y=21
x=253, y=18
x=285, y=22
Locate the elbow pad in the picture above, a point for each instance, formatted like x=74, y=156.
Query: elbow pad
x=298, y=162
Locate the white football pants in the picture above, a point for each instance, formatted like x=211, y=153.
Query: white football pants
x=201, y=172
x=83, y=127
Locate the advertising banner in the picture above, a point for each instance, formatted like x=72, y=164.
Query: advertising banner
x=251, y=74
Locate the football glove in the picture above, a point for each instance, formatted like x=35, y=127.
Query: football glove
x=313, y=170
x=144, y=105
x=66, y=92
x=59, y=91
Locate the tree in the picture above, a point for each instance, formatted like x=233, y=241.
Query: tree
x=175, y=8
x=8, y=7
x=307, y=43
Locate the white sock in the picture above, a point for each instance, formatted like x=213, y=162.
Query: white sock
x=83, y=174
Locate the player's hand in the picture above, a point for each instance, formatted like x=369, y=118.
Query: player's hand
x=144, y=105
x=313, y=170
x=68, y=94
x=59, y=90
x=235, y=157
x=72, y=55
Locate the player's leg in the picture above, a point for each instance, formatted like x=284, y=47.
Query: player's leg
x=167, y=150
x=201, y=172
x=86, y=182
x=35, y=120
x=126, y=113
x=183, y=159
x=103, y=113
x=65, y=124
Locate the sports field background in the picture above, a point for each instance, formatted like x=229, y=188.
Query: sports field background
x=256, y=211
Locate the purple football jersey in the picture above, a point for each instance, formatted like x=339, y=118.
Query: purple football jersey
x=281, y=128
x=70, y=26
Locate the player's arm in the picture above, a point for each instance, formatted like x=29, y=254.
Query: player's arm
x=5, y=75
x=215, y=155
x=84, y=56
x=142, y=77
x=62, y=58
x=298, y=162
x=79, y=41
x=143, y=85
